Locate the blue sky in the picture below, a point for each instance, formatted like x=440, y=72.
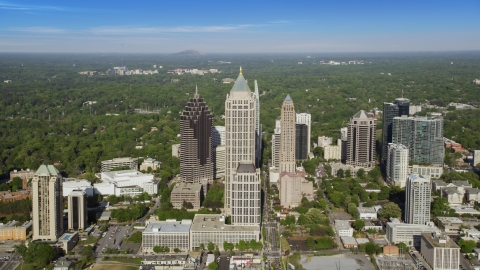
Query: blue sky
x=238, y=26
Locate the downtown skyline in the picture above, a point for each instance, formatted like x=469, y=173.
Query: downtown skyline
x=238, y=27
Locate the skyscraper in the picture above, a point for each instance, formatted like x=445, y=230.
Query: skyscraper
x=397, y=164
x=417, y=207
x=306, y=118
x=276, y=144
x=47, y=204
x=258, y=127
x=287, y=136
x=390, y=110
x=242, y=179
x=423, y=136
x=361, y=141
x=196, y=164
x=77, y=210
x=301, y=141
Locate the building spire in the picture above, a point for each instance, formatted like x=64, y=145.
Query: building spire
x=196, y=91
x=240, y=71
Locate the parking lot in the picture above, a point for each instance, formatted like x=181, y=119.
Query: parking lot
x=114, y=238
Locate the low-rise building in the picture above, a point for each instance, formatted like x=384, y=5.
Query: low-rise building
x=349, y=242
x=172, y=262
x=110, y=164
x=64, y=264
x=212, y=228
x=171, y=233
x=9, y=196
x=71, y=184
x=187, y=192
x=14, y=231
x=433, y=172
x=367, y=212
x=472, y=195
x=25, y=175
x=151, y=163
x=324, y=141
x=410, y=234
x=343, y=228
x=450, y=224
x=439, y=251
x=453, y=195
x=67, y=242
x=340, y=166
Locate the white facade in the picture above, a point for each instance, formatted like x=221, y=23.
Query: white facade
x=333, y=151
x=324, y=141
x=476, y=157
x=427, y=171
x=397, y=164
x=218, y=136
x=176, y=150
x=219, y=160
x=417, y=207
x=409, y=234
x=276, y=144
x=171, y=234
x=367, y=212
x=246, y=195
x=107, y=165
x=306, y=118
x=150, y=163
x=105, y=189
x=77, y=184
x=274, y=175
x=129, y=178
x=151, y=187
x=343, y=228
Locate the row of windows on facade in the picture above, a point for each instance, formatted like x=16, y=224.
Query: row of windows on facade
x=253, y=212
x=244, y=195
x=246, y=187
x=234, y=121
x=244, y=128
x=241, y=113
x=245, y=203
x=244, y=219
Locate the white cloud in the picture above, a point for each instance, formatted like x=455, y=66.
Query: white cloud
x=5, y=5
x=39, y=30
x=157, y=30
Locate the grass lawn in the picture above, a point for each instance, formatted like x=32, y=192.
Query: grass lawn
x=26, y=266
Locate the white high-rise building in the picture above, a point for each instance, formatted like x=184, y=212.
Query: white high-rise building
x=242, y=178
x=276, y=144
x=306, y=118
x=258, y=127
x=47, y=202
x=218, y=136
x=287, y=136
x=397, y=164
x=417, y=208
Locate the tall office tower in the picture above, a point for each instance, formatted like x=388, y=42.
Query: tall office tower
x=218, y=136
x=77, y=210
x=397, y=164
x=196, y=164
x=258, y=128
x=344, y=143
x=47, y=204
x=390, y=110
x=301, y=141
x=423, y=136
x=361, y=141
x=306, y=118
x=242, y=179
x=276, y=144
x=287, y=136
x=417, y=206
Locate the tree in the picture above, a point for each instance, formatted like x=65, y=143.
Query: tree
x=352, y=210
x=228, y=246
x=340, y=173
x=361, y=173
x=439, y=206
x=213, y=266
x=287, y=234
x=358, y=224
x=210, y=246
x=38, y=253
x=176, y=250
x=403, y=247
x=390, y=210
x=202, y=246
x=466, y=246
x=310, y=241
x=16, y=182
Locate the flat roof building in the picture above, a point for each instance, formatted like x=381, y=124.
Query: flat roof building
x=71, y=184
x=13, y=231
x=107, y=165
x=77, y=210
x=409, y=234
x=440, y=252
x=187, y=192
x=212, y=228
x=367, y=212
x=171, y=233
x=343, y=228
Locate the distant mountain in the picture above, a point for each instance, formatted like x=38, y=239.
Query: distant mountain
x=190, y=52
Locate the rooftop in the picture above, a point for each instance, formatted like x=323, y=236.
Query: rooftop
x=246, y=168
x=74, y=183
x=450, y=220
x=459, y=183
x=66, y=237
x=214, y=222
x=439, y=240
x=362, y=115
x=168, y=226
x=366, y=210
x=342, y=225
x=451, y=190
x=47, y=170
x=186, y=187
x=240, y=84
x=77, y=193
x=288, y=99
x=122, y=159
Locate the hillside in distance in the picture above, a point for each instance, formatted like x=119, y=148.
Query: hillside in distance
x=189, y=52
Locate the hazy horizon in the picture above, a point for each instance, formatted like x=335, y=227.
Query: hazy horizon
x=238, y=27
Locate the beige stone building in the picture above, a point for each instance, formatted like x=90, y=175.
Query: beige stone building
x=333, y=151
x=287, y=136
x=77, y=210
x=242, y=179
x=188, y=192
x=292, y=187
x=13, y=231
x=25, y=175
x=47, y=204
x=361, y=141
